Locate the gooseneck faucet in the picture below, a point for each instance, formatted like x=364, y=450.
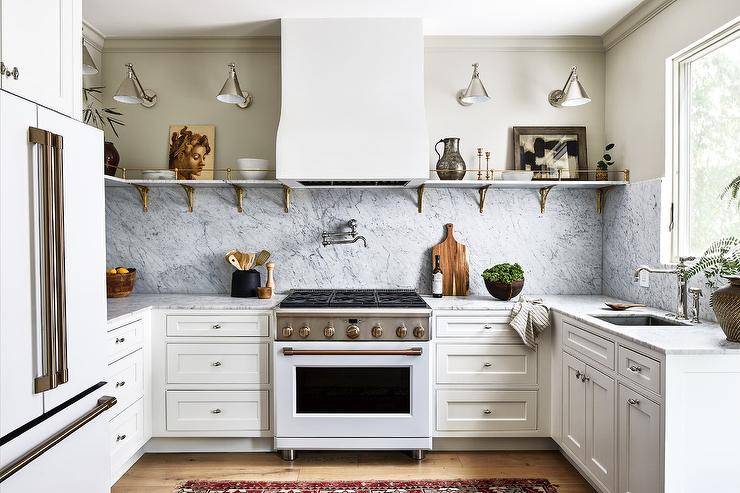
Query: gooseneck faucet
x=343, y=237
x=683, y=283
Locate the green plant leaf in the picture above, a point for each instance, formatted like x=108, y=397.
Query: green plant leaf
x=607, y=157
x=505, y=273
x=609, y=147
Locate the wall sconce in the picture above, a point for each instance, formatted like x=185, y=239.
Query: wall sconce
x=231, y=92
x=88, y=64
x=475, y=93
x=132, y=92
x=572, y=94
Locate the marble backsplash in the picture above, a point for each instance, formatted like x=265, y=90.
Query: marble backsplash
x=179, y=252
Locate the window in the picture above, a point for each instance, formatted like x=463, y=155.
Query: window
x=706, y=143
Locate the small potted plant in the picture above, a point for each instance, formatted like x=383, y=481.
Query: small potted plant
x=504, y=281
x=602, y=167
x=98, y=116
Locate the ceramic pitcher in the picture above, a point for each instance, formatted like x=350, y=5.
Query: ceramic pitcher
x=450, y=165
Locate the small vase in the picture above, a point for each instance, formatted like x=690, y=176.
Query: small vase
x=110, y=158
x=726, y=305
x=602, y=175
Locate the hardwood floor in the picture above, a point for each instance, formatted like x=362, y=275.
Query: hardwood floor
x=161, y=473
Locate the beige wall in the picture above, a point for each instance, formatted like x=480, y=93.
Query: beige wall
x=187, y=75
x=636, y=80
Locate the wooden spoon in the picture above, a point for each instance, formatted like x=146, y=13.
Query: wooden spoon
x=623, y=306
x=249, y=261
x=231, y=258
x=262, y=257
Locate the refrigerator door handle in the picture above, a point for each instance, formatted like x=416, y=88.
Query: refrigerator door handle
x=103, y=404
x=60, y=278
x=49, y=345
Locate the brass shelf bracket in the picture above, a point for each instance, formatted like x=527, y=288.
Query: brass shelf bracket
x=601, y=199
x=420, y=198
x=144, y=194
x=190, y=191
x=544, y=192
x=286, y=198
x=239, y=190
x=482, y=194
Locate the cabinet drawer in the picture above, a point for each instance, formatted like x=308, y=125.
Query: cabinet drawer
x=486, y=364
x=218, y=326
x=125, y=339
x=126, y=378
x=493, y=328
x=217, y=363
x=474, y=410
x=593, y=347
x=640, y=369
x=126, y=434
x=217, y=410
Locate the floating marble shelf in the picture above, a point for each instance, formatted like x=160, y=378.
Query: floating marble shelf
x=482, y=186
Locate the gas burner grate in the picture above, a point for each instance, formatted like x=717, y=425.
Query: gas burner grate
x=353, y=298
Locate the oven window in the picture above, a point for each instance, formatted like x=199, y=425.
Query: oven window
x=358, y=390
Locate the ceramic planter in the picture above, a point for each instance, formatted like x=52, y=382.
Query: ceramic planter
x=504, y=290
x=726, y=305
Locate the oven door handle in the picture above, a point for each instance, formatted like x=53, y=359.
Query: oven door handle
x=415, y=351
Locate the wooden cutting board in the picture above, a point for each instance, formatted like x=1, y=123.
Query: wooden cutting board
x=453, y=260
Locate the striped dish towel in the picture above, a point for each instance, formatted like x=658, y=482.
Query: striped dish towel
x=529, y=318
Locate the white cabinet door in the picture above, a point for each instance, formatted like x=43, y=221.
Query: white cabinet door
x=639, y=443
x=600, y=427
x=84, y=234
x=574, y=406
x=19, y=352
x=42, y=39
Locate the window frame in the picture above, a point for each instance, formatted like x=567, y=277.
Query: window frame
x=678, y=162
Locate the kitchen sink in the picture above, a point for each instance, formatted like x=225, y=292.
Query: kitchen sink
x=637, y=320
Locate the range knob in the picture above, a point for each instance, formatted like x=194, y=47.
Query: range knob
x=401, y=331
x=377, y=331
x=287, y=331
x=329, y=331
x=304, y=331
x=419, y=331
x=353, y=332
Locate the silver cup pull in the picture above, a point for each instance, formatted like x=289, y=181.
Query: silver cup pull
x=121, y=383
x=633, y=402
x=487, y=364
x=216, y=411
x=217, y=326
x=486, y=411
x=216, y=363
x=635, y=368
x=487, y=327
x=120, y=438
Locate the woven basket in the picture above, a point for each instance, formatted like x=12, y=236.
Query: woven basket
x=120, y=285
x=726, y=305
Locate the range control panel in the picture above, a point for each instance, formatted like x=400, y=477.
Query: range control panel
x=352, y=327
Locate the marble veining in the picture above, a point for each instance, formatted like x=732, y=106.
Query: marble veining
x=179, y=252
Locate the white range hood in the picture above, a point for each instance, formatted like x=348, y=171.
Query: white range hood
x=352, y=103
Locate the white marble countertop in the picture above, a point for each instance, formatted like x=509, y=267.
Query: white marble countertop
x=704, y=338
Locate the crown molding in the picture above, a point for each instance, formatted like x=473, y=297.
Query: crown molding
x=638, y=17
x=588, y=44
x=257, y=44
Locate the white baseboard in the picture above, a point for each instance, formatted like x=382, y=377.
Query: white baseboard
x=175, y=445
x=464, y=444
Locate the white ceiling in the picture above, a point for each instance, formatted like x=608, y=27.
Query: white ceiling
x=157, y=18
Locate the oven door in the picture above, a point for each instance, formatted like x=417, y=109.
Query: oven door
x=337, y=389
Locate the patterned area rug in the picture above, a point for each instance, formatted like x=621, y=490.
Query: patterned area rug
x=454, y=486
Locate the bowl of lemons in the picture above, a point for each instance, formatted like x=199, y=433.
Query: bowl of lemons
x=120, y=281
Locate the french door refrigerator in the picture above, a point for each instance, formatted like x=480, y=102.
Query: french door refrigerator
x=53, y=411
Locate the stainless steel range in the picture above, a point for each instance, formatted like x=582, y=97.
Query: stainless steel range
x=352, y=371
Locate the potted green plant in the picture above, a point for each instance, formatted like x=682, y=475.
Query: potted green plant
x=602, y=167
x=722, y=260
x=98, y=116
x=504, y=281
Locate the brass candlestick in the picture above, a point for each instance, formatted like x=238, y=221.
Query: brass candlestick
x=480, y=153
x=488, y=157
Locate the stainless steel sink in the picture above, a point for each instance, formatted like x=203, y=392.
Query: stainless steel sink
x=638, y=320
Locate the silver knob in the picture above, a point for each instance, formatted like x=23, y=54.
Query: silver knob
x=120, y=437
x=419, y=331
x=217, y=326
x=377, y=331
x=584, y=378
x=635, y=368
x=487, y=364
x=487, y=327
x=633, y=402
x=486, y=411
x=353, y=332
x=120, y=340
x=578, y=375
x=401, y=331
x=216, y=411
x=304, y=331
x=287, y=331
x=216, y=363
x=15, y=73
x=329, y=331
x=120, y=384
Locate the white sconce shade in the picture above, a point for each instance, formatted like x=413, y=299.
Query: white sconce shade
x=475, y=92
x=88, y=64
x=131, y=91
x=231, y=92
x=572, y=94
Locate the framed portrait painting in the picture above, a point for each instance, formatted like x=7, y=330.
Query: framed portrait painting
x=551, y=152
x=192, y=151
